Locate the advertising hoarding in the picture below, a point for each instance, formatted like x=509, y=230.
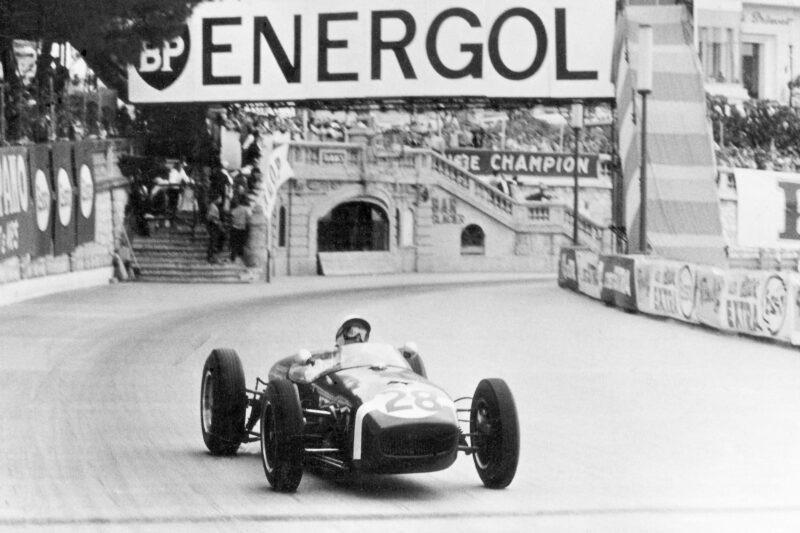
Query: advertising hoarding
x=16, y=205
x=83, y=180
x=64, y=223
x=42, y=199
x=536, y=164
x=768, y=208
x=272, y=50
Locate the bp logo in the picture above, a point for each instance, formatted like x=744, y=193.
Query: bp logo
x=86, y=184
x=64, y=197
x=43, y=200
x=160, y=66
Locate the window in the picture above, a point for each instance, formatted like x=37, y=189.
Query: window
x=715, y=48
x=751, y=68
x=282, y=227
x=472, y=240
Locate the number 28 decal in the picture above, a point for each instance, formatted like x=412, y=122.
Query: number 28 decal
x=415, y=403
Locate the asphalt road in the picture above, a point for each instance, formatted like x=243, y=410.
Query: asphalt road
x=628, y=423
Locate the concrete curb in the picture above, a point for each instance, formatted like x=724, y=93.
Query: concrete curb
x=280, y=287
x=27, y=289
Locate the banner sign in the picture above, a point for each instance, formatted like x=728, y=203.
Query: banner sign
x=42, y=199
x=590, y=274
x=755, y=302
x=84, y=185
x=567, y=270
x=768, y=209
x=751, y=302
x=64, y=223
x=273, y=50
x=618, y=281
x=792, y=327
x=16, y=205
x=665, y=288
x=276, y=171
x=710, y=283
x=538, y=164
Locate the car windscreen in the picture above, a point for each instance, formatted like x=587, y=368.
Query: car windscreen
x=371, y=354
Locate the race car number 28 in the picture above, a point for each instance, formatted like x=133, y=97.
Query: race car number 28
x=410, y=403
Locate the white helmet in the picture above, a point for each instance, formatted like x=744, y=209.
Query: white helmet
x=353, y=329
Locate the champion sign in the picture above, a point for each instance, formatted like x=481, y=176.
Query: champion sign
x=273, y=50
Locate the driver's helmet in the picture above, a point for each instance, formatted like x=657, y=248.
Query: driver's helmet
x=353, y=329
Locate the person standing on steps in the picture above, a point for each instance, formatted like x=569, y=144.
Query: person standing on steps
x=238, y=237
x=214, y=227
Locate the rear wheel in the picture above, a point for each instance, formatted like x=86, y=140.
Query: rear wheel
x=282, y=436
x=223, y=402
x=495, y=433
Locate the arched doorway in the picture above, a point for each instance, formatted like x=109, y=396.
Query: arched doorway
x=353, y=227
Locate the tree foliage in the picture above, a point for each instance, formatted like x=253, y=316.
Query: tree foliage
x=755, y=124
x=113, y=28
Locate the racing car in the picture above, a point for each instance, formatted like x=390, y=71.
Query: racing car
x=362, y=408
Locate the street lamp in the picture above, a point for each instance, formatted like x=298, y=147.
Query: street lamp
x=644, y=87
x=576, y=122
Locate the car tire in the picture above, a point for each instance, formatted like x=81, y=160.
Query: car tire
x=417, y=365
x=223, y=402
x=494, y=427
x=282, y=436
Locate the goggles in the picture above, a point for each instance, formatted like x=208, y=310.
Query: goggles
x=353, y=332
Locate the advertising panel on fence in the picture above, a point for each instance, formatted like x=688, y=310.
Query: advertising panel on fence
x=665, y=288
x=567, y=270
x=755, y=303
x=710, y=283
x=590, y=275
x=83, y=180
x=618, y=281
x=273, y=50
x=538, y=164
x=64, y=223
x=768, y=210
x=42, y=199
x=792, y=326
x=16, y=205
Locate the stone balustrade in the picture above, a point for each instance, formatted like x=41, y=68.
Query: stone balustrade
x=524, y=215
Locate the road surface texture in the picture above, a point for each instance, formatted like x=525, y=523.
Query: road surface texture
x=628, y=423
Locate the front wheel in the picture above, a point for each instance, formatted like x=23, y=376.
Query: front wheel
x=223, y=402
x=282, y=436
x=495, y=433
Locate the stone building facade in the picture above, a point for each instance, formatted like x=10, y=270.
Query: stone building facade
x=426, y=215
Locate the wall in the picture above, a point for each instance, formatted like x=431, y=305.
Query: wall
x=20, y=274
x=441, y=222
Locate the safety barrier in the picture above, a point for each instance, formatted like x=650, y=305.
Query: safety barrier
x=751, y=302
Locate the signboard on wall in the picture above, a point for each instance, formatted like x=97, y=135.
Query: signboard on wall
x=64, y=223
x=272, y=50
x=83, y=180
x=16, y=207
x=537, y=164
x=42, y=194
x=768, y=207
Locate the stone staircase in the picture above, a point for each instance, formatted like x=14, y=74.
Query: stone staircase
x=177, y=256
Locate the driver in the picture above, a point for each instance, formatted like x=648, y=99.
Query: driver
x=353, y=329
